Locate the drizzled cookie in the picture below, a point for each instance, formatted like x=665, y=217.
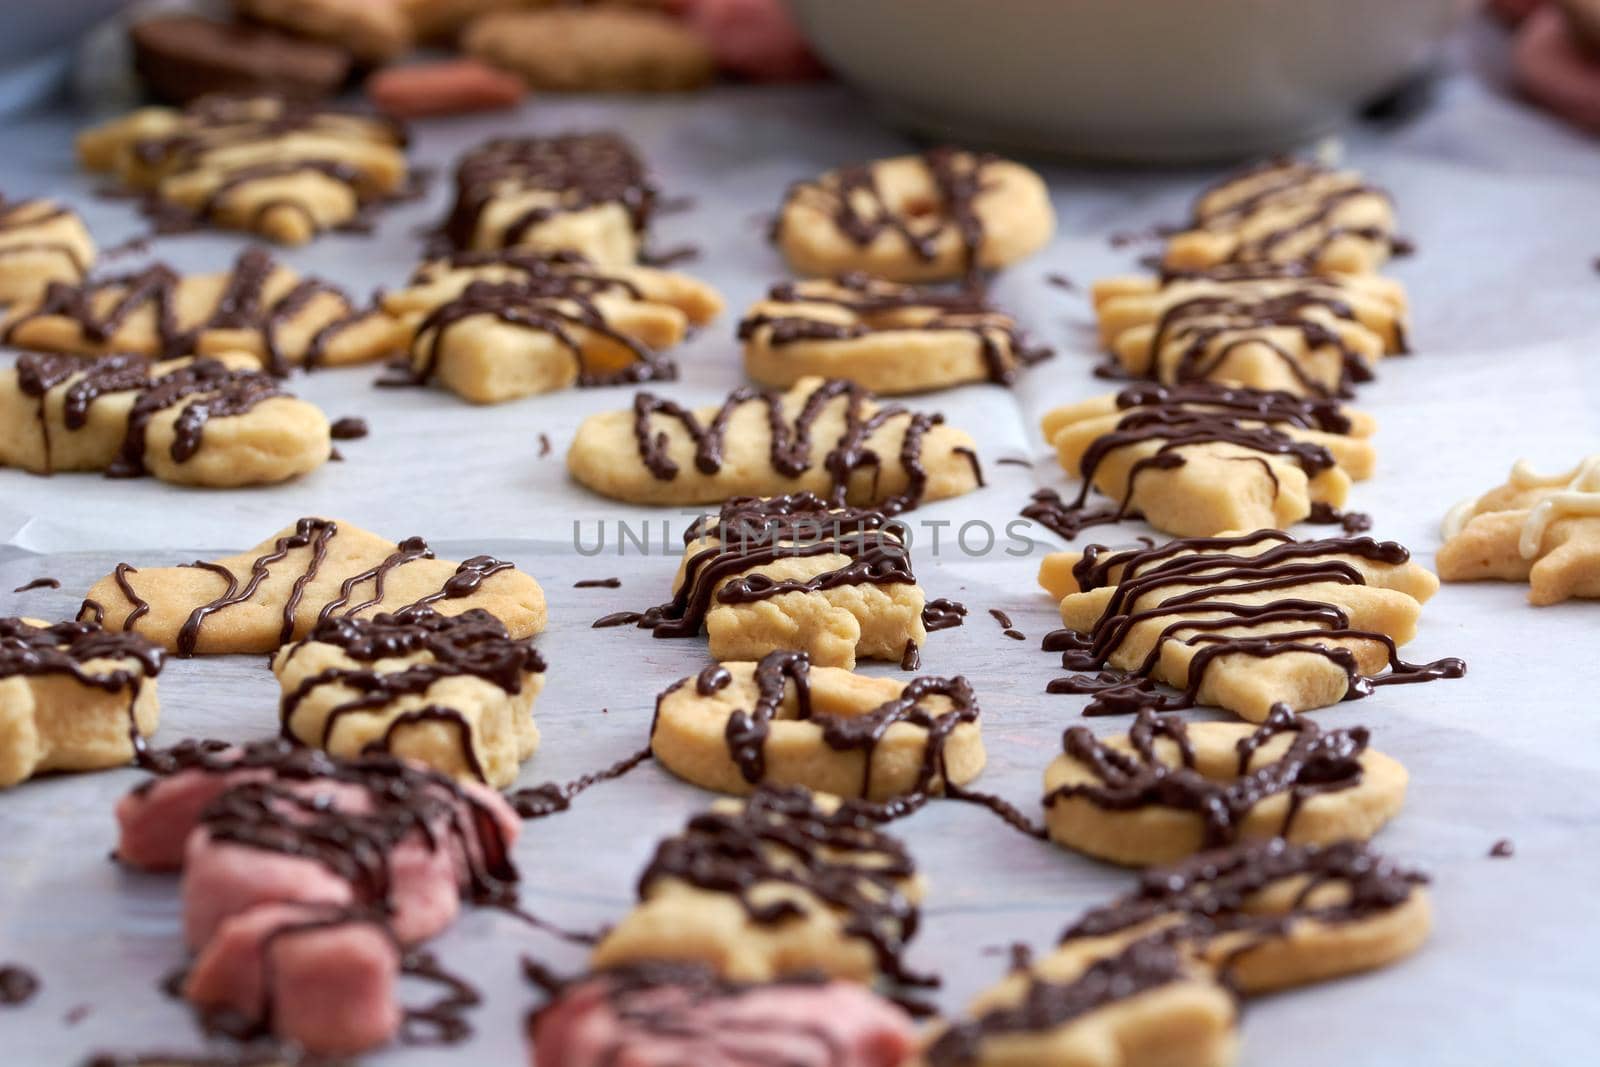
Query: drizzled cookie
x=785, y=883
x=586, y=193
x=1262, y=326
x=1168, y=789
x=939, y=215
x=889, y=338
x=40, y=242
x=1240, y=621
x=1539, y=528
x=210, y=421
x=830, y=437
x=286, y=170
x=792, y=573
x=313, y=571
x=740, y=725
x=1198, y=459
x=1288, y=211
x=73, y=697
x=259, y=307
x=452, y=692
x=494, y=326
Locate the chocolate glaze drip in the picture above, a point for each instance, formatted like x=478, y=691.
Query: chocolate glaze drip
x=1353, y=522
x=1314, y=763
x=17, y=984
x=598, y=583
x=941, y=613
x=1002, y=344
x=205, y=388
x=536, y=802
x=1502, y=849
x=1190, y=415
x=65, y=648
x=242, y=305
x=1005, y=625
x=861, y=214
x=38, y=583
x=584, y=170
x=444, y=1021
x=911, y=658
x=1212, y=565
x=782, y=836
x=544, y=445
x=791, y=450
x=349, y=428
x=231, y=1058
x=747, y=731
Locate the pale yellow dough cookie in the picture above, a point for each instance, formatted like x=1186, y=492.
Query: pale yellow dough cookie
x=258, y=307
x=454, y=692
x=857, y=449
x=1241, y=621
x=1264, y=327
x=1197, y=459
x=889, y=338
x=605, y=49
x=40, y=242
x=375, y=31
x=73, y=697
x=215, y=421
x=823, y=891
x=1168, y=789
x=740, y=725
x=928, y=217
x=317, y=568
x=1538, y=528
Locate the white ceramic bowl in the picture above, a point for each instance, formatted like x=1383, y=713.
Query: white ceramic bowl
x=1155, y=80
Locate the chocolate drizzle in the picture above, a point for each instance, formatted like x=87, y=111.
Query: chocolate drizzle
x=1205, y=572
x=38, y=583
x=18, y=216
x=17, y=984
x=941, y=613
x=539, y=801
x=348, y=428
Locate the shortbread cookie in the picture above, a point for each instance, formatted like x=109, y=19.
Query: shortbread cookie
x=1265, y=327
x=1538, y=528
x=1288, y=211
x=939, y=215
x=283, y=169
x=259, y=307
x=73, y=697
x=579, y=192
x=495, y=326
x=214, y=422
x=604, y=50
x=374, y=31
x=1240, y=621
x=181, y=58
x=829, y=437
x=40, y=242
x=889, y=338
x=1168, y=789
x=737, y=726
x=1197, y=459
x=675, y=1013
x=451, y=692
x=315, y=570
x=792, y=573
x=785, y=883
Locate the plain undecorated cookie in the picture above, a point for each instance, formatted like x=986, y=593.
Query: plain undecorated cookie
x=375, y=31
x=594, y=50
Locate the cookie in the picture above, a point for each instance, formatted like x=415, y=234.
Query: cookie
x=374, y=31
x=1288, y=211
x=40, y=242
x=889, y=338
x=1261, y=327
x=214, y=422
x=1240, y=621
x=944, y=214
x=1541, y=529
x=73, y=697
x=451, y=692
x=737, y=726
x=793, y=573
x=259, y=308
x=312, y=571
x=829, y=437
x=181, y=58
x=451, y=87
x=286, y=170
x=587, y=193
x=495, y=326
x=596, y=50
x=670, y=1013
x=1197, y=459
x=785, y=883
x=1167, y=789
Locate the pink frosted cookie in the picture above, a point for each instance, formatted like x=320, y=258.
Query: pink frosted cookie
x=1554, y=69
x=666, y=1015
